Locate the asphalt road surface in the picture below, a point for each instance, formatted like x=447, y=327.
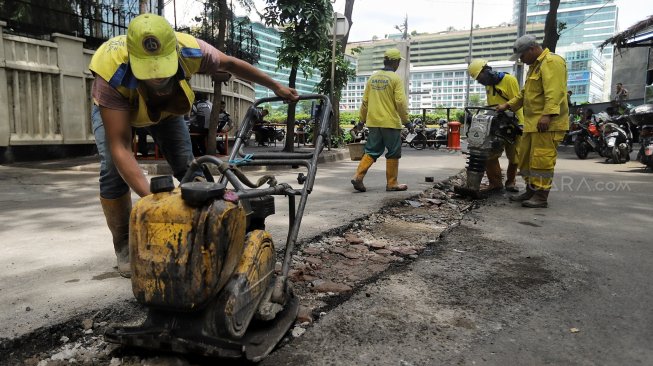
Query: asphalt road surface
x=566, y=285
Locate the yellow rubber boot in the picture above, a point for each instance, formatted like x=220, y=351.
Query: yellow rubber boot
x=391, y=173
x=364, y=165
x=117, y=212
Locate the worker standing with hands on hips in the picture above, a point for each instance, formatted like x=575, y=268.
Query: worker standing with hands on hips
x=142, y=79
x=384, y=110
x=546, y=118
x=500, y=87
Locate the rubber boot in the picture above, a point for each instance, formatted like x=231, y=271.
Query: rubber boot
x=511, y=175
x=539, y=200
x=493, y=171
x=117, y=212
x=526, y=195
x=391, y=173
x=364, y=165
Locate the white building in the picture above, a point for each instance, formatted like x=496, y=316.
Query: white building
x=429, y=87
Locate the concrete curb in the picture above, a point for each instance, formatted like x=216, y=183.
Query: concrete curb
x=155, y=167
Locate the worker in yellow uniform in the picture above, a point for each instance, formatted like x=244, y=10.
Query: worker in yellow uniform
x=384, y=109
x=142, y=79
x=500, y=87
x=546, y=118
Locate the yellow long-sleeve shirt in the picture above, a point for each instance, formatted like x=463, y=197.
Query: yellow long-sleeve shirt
x=545, y=92
x=505, y=90
x=384, y=101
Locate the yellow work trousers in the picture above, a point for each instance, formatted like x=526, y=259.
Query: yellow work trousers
x=537, y=157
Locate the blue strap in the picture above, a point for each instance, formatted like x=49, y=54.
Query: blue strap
x=242, y=161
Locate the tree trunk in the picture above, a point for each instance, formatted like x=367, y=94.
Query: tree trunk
x=217, y=85
x=551, y=35
x=290, y=122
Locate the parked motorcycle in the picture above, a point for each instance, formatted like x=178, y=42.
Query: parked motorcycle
x=642, y=117
x=586, y=138
x=617, y=140
x=441, y=136
x=359, y=132
x=423, y=137
x=408, y=133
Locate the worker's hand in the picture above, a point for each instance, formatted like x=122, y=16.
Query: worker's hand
x=289, y=94
x=543, y=123
x=502, y=107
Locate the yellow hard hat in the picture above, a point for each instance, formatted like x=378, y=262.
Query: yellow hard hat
x=152, y=47
x=475, y=67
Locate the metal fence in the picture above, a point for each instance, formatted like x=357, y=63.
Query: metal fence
x=93, y=20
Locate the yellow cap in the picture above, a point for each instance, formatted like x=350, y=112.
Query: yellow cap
x=393, y=54
x=476, y=67
x=152, y=47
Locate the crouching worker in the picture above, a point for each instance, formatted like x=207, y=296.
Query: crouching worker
x=384, y=109
x=142, y=79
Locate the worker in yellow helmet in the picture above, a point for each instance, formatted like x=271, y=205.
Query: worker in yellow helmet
x=500, y=87
x=546, y=118
x=142, y=79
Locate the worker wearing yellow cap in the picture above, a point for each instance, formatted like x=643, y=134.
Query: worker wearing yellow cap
x=500, y=87
x=142, y=79
x=384, y=110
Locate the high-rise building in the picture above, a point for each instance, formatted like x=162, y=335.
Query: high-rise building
x=586, y=21
x=438, y=65
x=446, y=48
x=269, y=40
x=586, y=76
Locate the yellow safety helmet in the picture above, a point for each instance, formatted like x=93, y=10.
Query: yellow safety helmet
x=476, y=67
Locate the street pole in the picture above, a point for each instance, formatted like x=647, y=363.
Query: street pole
x=521, y=30
x=174, y=10
x=469, y=54
x=333, y=77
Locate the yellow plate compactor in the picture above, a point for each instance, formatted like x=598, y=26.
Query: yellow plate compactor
x=203, y=263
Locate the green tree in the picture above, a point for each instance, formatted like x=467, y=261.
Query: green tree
x=475, y=100
x=305, y=25
x=42, y=16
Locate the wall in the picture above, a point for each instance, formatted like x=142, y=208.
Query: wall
x=45, y=91
x=629, y=68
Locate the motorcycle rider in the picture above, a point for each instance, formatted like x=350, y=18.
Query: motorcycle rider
x=199, y=123
x=384, y=109
x=500, y=87
x=546, y=118
x=142, y=79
